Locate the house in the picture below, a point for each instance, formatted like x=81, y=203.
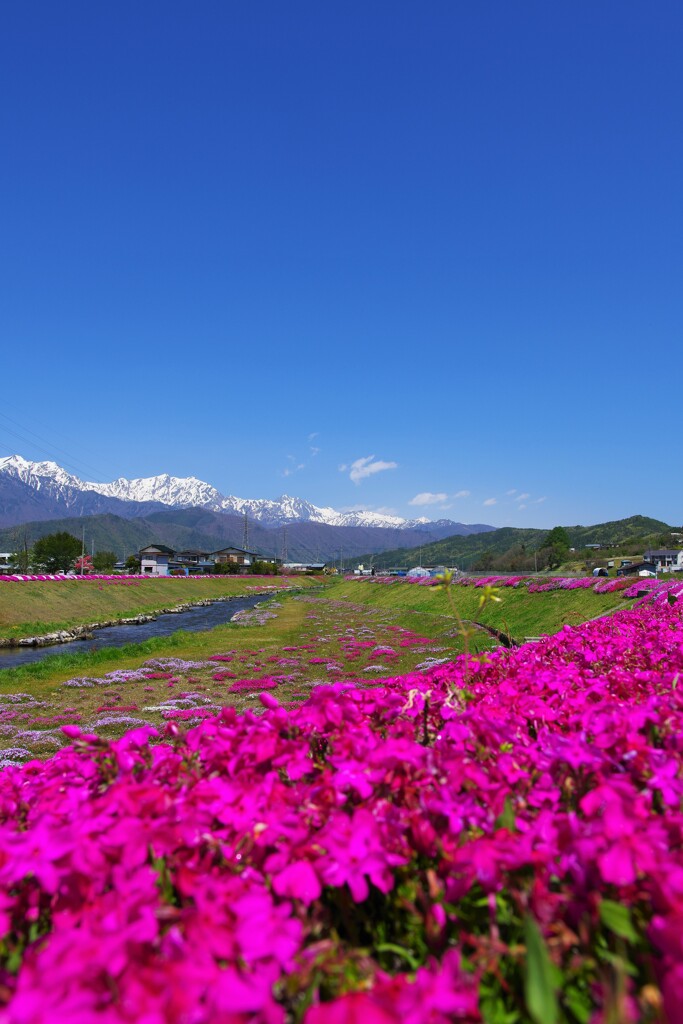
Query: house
x=238, y=556
x=155, y=560
x=193, y=562
x=666, y=560
x=638, y=569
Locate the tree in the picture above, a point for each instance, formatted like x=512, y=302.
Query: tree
x=104, y=561
x=133, y=564
x=259, y=568
x=227, y=569
x=555, y=548
x=56, y=552
x=21, y=557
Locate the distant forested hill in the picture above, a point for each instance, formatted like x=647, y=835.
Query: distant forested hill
x=205, y=530
x=514, y=549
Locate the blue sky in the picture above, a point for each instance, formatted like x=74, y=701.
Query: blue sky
x=438, y=245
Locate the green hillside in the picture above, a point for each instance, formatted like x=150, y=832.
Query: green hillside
x=514, y=549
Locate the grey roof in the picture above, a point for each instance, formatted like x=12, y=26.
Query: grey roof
x=161, y=548
x=231, y=547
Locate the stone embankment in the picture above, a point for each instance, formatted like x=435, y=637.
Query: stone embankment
x=65, y=636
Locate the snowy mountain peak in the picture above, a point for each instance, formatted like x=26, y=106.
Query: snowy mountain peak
x=179, y=492
x=38, y=474
x=86, y=497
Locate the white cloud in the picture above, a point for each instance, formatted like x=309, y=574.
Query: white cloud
x=522, y=497
x=343, y=467
x=520, y=507
x=428, y=498
x=491, y=501
x=296, y=467
x=539, y=501
x=314, y=451
x=312, y=437
x=510, y=493
x=362, y=468
x=462, y=494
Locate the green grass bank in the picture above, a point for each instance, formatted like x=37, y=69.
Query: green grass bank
x=520, y=614
x=44, y=606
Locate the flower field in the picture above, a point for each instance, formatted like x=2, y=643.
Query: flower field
x=533, y=584
x=410, y=850
x=333, y=640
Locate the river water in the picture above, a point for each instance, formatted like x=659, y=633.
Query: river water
x=196, y=620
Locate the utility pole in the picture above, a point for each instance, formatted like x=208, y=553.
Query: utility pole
x=245, y=542
x=83, y=553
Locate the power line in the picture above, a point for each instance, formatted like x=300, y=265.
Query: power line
x=71, y=461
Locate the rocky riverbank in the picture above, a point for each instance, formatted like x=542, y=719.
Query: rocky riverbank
x=85, y=632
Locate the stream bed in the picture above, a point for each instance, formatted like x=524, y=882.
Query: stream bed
x=194, y=620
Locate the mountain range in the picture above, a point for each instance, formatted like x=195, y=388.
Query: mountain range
x=185, y=511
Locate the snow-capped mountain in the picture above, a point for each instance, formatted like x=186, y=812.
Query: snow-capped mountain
x=62, y=493
x=40, y=475
x=178, y=492
x=189, y=492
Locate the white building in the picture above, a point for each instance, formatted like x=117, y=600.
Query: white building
x=155, y=559
x=666, y=560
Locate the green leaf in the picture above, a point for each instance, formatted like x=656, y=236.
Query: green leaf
x=617, y=918
x=507, y=818
x=619, y=963
x=541, y=976
x=579, y=1004
x=14, y=961
x=405, y=954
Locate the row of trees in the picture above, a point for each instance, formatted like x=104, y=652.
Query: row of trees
x=551, y=554
x=235, y=569
x=61, y=552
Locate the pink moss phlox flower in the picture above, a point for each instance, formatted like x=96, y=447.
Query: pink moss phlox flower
x=356, y=850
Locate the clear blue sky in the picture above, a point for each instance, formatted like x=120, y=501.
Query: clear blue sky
x=258, y=242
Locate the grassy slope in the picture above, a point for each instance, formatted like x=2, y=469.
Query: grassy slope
x=29, y=608
x=253, y=646
x=522, y=613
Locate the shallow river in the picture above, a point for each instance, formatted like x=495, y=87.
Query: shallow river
x=196, y=620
